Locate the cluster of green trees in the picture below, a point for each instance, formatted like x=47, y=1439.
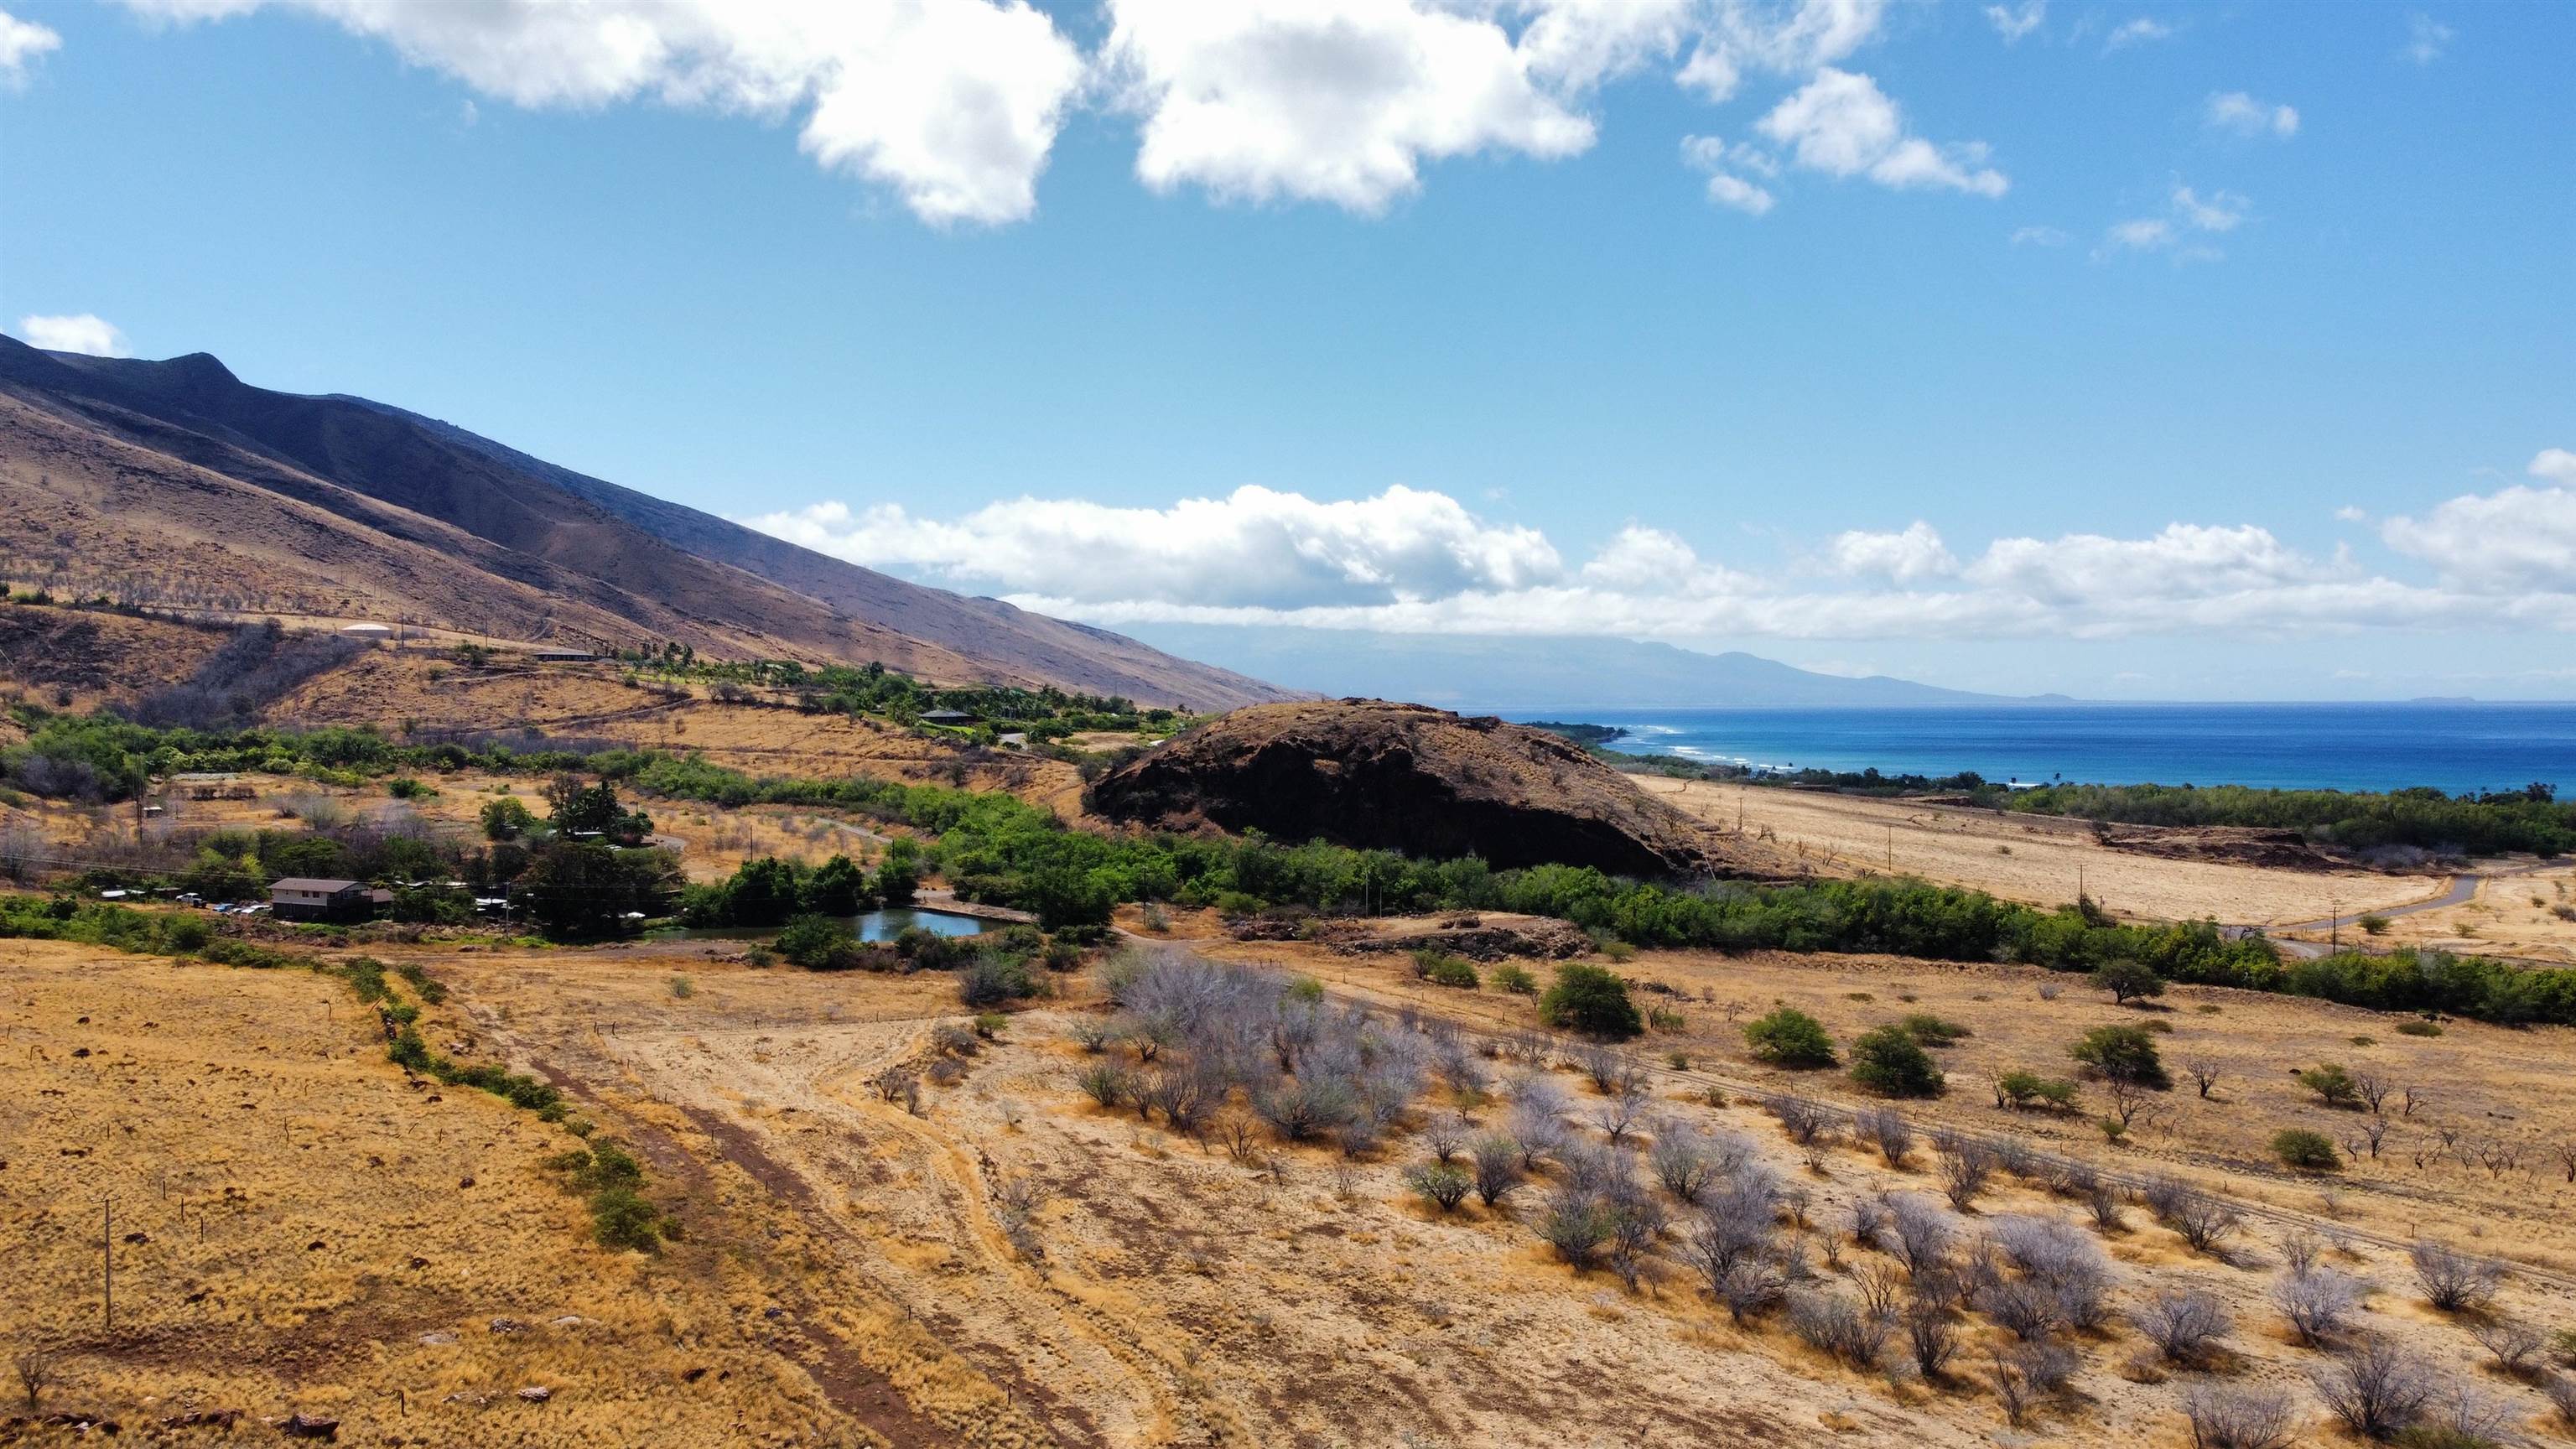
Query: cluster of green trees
x=2529, y=819
x=103, y=757
x=873, y=689
x=770, y=892
x=995, y=848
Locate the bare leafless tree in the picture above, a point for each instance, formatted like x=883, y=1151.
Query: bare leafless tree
x=2301, y=1250
x=1881, y=1288
x=2516, y=1345
x=1446, y=1134
x=1733, y=1227
x=1885, y=1127
x=1626, y=1104
x=1682, y=1161
x=1803, y=1120
x=1966, y=1167
x=1932, y=1336
x=2182, y=1323
x=2204, y=1221
x=2560, y=1390
x=2013, y=1390
x=2318, y=1303
x=1537, y=1119
x=2377, y=1390
x=2453, y=1281
x=1497, y=1160
x=2462, y=1412
x=2205, y=1073
x=1918, y=1234
x=1636, y=1230
x=2131, y=1100
x=36, y=1373
x=2240, y=1418
x=1838, y=1326
x=2499, y=1156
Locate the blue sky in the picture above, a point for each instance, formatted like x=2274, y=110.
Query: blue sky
x=2122, y=306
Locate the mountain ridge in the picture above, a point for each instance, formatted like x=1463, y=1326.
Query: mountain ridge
x=175, y=478
x=1498, y=672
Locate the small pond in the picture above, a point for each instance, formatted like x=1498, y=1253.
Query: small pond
x=881, y=925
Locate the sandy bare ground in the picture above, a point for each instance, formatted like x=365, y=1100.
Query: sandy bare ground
x=2513, y=914
x=850, y=1273
x=1186, y=1298
x=2034, y=859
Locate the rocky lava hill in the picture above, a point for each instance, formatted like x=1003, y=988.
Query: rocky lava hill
x=1404, y=777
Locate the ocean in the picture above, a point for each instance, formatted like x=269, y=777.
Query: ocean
x=2447, y=746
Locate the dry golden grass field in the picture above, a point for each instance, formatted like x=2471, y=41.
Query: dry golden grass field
x=2036, y=859
x=1014, y=1264
x=303, y=1227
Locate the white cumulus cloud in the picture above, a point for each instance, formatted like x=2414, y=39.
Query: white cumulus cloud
x=2426, y=38
x=2509, y=541
x=1414, y=561
x=2137, y=32
x=1842, y=124
x=2188, y=213
x=953, y=104
x=1913, y=556
x=1324, y=100
x=2239, y=114
x=2014, y=22
x=1253, y=546
x=21, y=41
x=78, y=332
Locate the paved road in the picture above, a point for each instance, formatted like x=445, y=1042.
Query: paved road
x=2462, y=888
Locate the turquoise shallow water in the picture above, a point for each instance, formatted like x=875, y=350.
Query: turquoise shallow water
x=878, y=925
x=2453, y=747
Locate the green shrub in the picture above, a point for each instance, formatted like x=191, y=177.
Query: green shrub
x=1590, y=1000
x=1789, y=1037
x=818, y=943
x=404, y=787
x=2374, y=925
x=1513, y=977
x=2333, y=1085
x=2123, y=1053
x=2018, y=1089
x=1889, y=1060
x=2419, y=1027
x=2127, y=980
x=1442, y=1184
x=1442, y=969
x=683, y=988
x=1933, y=1031
x=2308, y=1151
x=994, y=978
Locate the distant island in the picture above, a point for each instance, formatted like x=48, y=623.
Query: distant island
x=1492, y=672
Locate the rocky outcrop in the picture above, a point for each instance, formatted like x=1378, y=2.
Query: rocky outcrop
x=1404, y=777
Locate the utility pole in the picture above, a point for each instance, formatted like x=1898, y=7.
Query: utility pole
x=2334, y=926
x=1891, y=850
x=107, y=1261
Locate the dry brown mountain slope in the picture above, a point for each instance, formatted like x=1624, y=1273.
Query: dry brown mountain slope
x=174, y=482
x=1423, y=781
